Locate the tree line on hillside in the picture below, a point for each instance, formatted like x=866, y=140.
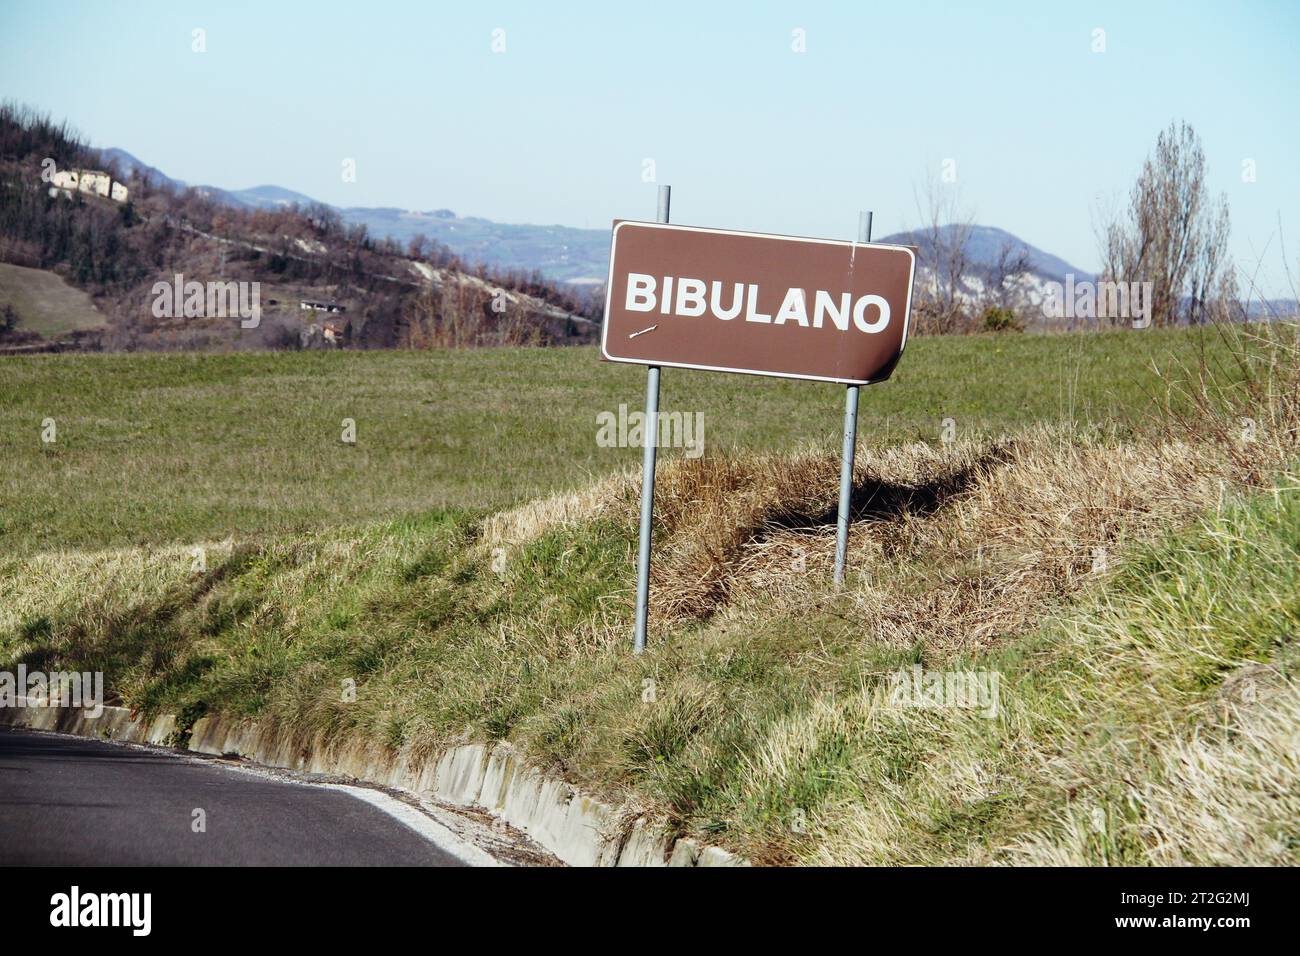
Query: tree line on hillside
x=115, y=250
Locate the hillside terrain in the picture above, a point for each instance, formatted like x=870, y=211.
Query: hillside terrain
x=970, y=277
x=318, y=282
x=45, y=305
x=560, y=253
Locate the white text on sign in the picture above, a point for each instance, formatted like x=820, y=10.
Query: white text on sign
x=695, y=297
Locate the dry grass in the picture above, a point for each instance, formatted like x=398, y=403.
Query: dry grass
x=1226, y=794
x=1034, y=515
x=970, y=537
x=528, y=522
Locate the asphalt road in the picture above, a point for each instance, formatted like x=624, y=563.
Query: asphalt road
x=77, y=802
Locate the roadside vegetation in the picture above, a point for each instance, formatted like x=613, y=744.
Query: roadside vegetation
x=1132, y=585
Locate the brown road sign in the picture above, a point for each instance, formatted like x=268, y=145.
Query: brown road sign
x=728, y=301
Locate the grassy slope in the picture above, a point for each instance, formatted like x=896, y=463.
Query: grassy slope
x=1154, y=722
x=1147, y=716
x=159, y=448
x=1124, y=733
x=45, y=303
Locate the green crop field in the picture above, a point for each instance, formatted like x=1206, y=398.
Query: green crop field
x=154, y=448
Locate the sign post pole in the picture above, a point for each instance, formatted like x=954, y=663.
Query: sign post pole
x=850, y=444
x=648, y=474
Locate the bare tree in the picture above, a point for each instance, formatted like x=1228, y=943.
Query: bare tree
x=954, y=292
x=1173, y=234
x=418, y=247
x=942, y=294
x=1002, y=275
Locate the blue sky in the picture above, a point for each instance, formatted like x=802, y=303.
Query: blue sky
x=750, y=134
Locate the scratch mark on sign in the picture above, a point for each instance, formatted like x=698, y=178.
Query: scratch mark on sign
x=642, y=332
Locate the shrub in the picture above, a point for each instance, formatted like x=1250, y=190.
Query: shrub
x=996, y=318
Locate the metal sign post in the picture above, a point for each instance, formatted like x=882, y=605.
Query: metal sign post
x=648, y=474
x=850, y=445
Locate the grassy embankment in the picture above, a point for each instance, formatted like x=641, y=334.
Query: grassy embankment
x=1133, y=587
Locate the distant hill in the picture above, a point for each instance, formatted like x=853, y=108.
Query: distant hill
x=195, y=268
x=561, y=253
x=983, y=246
x=264, y=197
x=258, y=197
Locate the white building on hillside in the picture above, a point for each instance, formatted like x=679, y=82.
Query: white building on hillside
x=90, y=181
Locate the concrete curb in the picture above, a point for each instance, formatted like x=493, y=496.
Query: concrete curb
x=114, y=723
x=577, y=829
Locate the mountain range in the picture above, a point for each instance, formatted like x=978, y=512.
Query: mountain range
x=560, y=253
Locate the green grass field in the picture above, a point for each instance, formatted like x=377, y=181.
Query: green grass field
x=166, y=448
x=45, y=303
x=1124, y=576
